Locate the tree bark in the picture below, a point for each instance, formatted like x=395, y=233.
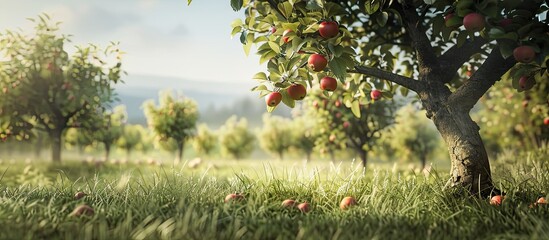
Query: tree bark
x=107, y=151
x=470, y=167
x=363, y=157
x=180, y=146
x=55, y=136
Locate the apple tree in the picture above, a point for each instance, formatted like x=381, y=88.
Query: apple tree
x=512, y=120
x=276, y=135
x=236, y=139
x=78, y=137
x=304, y=135
x=413, y=136
x=205, y=140
x=402, y=46
x=109, y=128
x=131, y=137
x=173, y=119
x=46, y=88
x=339, y=124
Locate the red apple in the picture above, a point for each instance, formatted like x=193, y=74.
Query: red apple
x=5, y=90
x=375, y=94
x=328, y=84
x=338, y=115
x=234, y=197
x=541, y=201
x=332, y=138
x=474, y=22
x=317, y=62
x=285, y=37
x=328, y=29
x=505, y=22
x=347, y=202
x=297, y=91
x=496, y=200
x=546, y=121
x=346, y=124
x=273, y=29
x=79, y=195
x=304, y=207
x=288, y=203
x=315, y=104
x=337, y=103
x=452, y=21
x=524, y=54
x=273, y=99
x=525, y=103
x=526, y=83
x=83, y=210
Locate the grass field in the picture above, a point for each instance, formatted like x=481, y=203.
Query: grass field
x=175, y=202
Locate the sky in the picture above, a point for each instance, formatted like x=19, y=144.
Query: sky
x=161, y=37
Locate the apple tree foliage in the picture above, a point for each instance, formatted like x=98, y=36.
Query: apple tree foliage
x=413, y=136
x=511, y=121
x=110, y=128
x=79, y=138
x=205, y=140
x=338, y=127
x=402, y=46
x=276, y=136
x=174, y=119
x=130, y=139
x=236, y=139
x=304, y=135
x=46, y=88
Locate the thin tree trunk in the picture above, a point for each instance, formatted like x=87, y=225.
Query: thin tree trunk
x=363, y=157
x=308, y=157
x=470, y=167
x=55, y=135
x=107, y=151
x=281, y=155
x=179, y=156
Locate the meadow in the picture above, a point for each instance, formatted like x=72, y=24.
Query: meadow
x=148, y=201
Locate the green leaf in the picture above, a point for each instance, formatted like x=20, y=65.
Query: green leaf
x=338, y=67
x=259, y=88
x=462, y=38
x=236, y=4
x=382, y=18
x=236, y=30
x=372, y=6
x=267, y=56
x=286, y=99
x=249, y=43
x=355, y=108
x=286, y=8
x=429, y=2
x=237, y=22
x=260, y=76
x=275, y=47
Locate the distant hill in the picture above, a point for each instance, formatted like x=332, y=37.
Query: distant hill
x=216, y=100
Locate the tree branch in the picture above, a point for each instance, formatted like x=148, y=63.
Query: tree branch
x=456, y=56
x=426, y=56
x=487, y=75
x=406, y=82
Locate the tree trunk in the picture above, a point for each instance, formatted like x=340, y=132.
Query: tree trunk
x=470, y=167
x=180, y=146
x=107, y=151
x=281, y=155
x=363, y=157
x=308, y=157
x=55, y=136
x=128, y=152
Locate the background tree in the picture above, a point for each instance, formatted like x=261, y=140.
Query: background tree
x=303, y=131
x=147, y=140
x=109, y=128
x=174, y=118
x=130, y=138
x=235, y=139
x=340, y=125
x=78, y=137
x=511, y=120
x=276, y=135
x=205, y=140
x=44, y=88
x=422, y=46
x=413, y=136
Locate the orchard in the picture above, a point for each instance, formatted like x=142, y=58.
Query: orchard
x=383, y=48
